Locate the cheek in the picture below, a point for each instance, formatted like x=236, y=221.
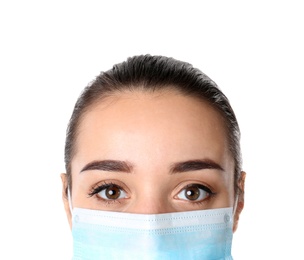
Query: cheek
x=229, y=181
x=80, y=189
x=225, y=196
x=231, y=189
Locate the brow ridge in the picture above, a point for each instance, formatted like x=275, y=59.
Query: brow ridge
x=194, y=165
x=108, y=165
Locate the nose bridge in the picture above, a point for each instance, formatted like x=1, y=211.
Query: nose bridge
x=150, y=200
x=150, y=206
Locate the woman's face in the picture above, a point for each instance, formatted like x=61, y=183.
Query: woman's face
x=152, y=153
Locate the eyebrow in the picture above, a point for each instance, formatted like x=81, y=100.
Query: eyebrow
x=194, y=165
x=122, y=166
x=108, y=165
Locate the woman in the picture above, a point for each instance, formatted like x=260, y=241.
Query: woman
x=153, y=165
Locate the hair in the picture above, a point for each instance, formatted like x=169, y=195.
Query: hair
x=154, y=73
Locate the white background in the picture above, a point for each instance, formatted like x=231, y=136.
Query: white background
x=50, y=50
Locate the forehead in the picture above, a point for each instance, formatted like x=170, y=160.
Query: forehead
x=168, y=105
x=164, y=125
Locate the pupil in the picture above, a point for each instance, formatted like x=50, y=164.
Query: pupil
x=112, y=192
x=192, y=193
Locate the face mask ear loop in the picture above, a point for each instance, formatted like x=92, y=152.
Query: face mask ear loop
x=235, y=203
x=70, y=200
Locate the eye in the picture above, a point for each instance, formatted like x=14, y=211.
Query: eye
x=109, y=192
x=194, y=192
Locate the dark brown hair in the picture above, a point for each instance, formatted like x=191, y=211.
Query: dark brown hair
x=154, y=73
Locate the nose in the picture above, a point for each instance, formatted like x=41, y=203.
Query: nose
x=150, y=205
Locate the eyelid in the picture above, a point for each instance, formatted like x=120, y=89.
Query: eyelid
x=188, y=183
x=201, y=186
x=105, y=184
x=204, y=187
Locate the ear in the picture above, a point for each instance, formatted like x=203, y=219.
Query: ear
x=239, y=204
x=65, y=198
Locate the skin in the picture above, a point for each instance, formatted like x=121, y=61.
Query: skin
x=152, y=147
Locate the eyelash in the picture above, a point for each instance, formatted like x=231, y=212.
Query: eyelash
x=200, y=186
x=105, y=185
x=95, y=190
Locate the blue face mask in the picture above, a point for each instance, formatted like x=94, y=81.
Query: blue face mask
x=203, y=234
